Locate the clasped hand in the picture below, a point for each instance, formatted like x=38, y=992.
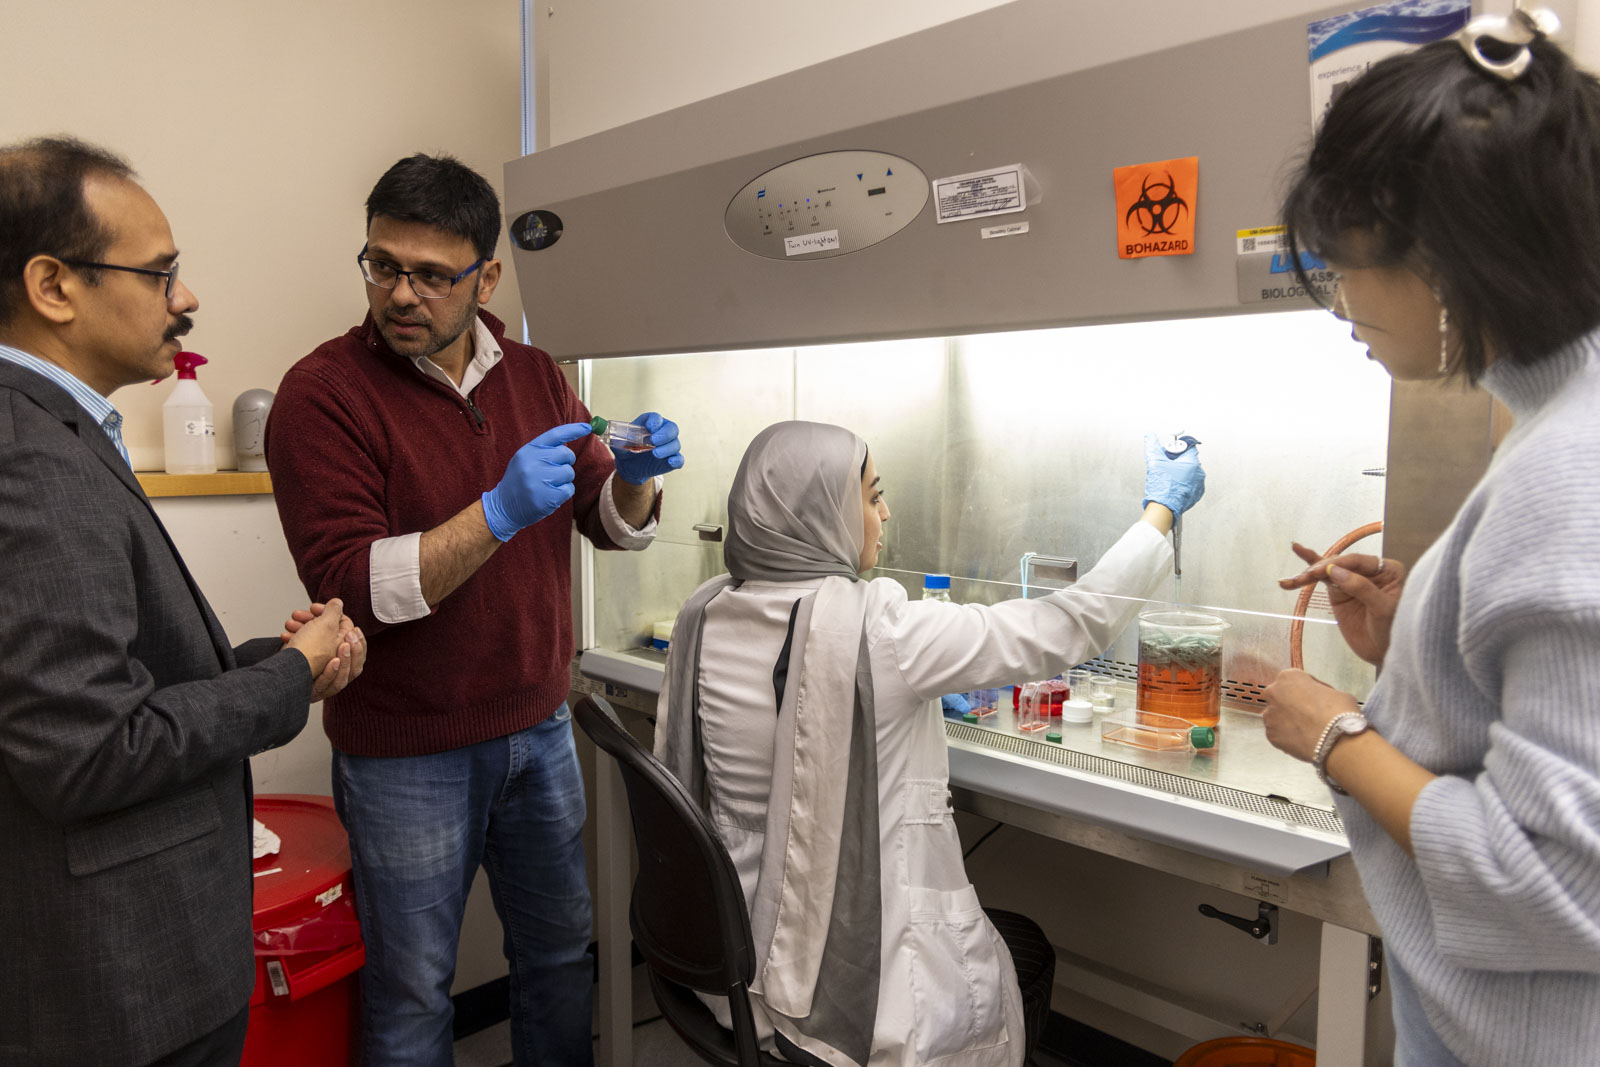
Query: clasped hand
x=333, y=645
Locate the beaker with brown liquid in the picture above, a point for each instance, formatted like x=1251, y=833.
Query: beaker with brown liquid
x=1180, y=665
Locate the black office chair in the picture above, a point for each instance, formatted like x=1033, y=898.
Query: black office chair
x=687, y=913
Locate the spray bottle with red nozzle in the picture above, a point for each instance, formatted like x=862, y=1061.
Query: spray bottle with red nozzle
x=188, y=432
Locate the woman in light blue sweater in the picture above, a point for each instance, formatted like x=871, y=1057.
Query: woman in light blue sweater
x=1456, y=191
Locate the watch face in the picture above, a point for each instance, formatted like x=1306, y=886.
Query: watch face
x=1352, y=726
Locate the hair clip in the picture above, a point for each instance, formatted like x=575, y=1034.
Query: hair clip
x=1515, y=30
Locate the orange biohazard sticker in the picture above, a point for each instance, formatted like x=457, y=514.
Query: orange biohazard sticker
x=1155, y=207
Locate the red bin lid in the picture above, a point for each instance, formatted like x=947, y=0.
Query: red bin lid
x=300, y=878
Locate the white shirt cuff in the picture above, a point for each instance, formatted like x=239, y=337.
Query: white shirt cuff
x=618, y=529
x=394, y=577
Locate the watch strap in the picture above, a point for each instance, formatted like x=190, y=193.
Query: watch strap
x=1331, y=734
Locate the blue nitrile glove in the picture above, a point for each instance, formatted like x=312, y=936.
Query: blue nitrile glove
x=1178, y=483
x=955, y=705
x=636, y=468
x=537, y=481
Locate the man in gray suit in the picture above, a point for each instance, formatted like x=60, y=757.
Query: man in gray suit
x=125, y=717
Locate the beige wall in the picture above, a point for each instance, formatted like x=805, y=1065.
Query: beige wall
x=260, y=128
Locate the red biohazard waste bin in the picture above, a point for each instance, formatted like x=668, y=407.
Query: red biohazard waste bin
x=306, y=1004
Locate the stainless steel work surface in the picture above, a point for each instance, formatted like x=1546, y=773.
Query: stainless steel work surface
x=1246, y=803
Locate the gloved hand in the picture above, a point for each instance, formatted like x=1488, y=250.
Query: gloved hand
x=1176, y=483
x=538, y=480
x=955, y=705
x=639, y=467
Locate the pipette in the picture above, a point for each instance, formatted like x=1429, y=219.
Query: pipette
x=1175, y=446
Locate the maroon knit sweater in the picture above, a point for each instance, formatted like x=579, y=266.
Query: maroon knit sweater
x=363, y=446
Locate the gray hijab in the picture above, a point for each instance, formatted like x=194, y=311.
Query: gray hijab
x=794, y=514
x=794, y=511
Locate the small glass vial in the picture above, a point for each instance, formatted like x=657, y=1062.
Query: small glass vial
x=936, y=587
x=629, y=436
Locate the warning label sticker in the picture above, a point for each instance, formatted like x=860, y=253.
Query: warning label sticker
x=1156, y=204
x=980, y=194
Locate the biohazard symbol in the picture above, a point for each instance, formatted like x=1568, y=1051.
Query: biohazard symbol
x=1159, y=207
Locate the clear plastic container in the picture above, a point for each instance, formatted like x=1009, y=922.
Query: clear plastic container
x=1078, y=683
x=1056, y=690
x=1180, y=665
x=983, y=702
x=1033, y=708
x=629, y=436
x=1154, y=732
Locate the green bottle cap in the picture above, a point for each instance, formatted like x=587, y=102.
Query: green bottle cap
x=1202, y=737
x=598, y=425
x=1053, y=737
x=970, y=717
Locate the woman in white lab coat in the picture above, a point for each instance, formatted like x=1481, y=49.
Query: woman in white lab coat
x=804, y=705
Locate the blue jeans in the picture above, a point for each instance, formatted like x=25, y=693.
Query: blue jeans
x=419, y=827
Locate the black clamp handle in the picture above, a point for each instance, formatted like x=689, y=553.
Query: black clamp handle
x=1264, y=927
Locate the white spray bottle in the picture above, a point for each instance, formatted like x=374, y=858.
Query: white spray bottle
x=188, y=434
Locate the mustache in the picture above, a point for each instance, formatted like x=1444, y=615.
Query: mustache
x=179, y=328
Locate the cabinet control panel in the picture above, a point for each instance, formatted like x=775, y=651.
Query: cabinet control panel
x=826, y=205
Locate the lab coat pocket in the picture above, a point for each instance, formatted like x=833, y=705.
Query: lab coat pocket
x=927, y=801
x=957, y=1003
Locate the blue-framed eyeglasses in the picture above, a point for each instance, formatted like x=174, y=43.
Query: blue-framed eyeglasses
x=170, y=274
x=428, y=284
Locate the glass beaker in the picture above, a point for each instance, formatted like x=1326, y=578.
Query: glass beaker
x=1103, y=694
x=1180, y=665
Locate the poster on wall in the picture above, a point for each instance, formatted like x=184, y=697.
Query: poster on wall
x=1342, y=47
x=1156, y=205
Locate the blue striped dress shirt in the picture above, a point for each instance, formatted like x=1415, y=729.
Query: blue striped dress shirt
x=99, y=408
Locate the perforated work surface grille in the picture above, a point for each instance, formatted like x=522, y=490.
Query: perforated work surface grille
x=1176, y=784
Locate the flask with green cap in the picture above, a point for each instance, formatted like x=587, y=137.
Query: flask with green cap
x=626, y=435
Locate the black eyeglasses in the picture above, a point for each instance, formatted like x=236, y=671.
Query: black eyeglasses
x=170, y=274
x=428, y=284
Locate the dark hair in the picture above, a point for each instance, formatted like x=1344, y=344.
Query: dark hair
x=43, y=211
x=443, y=192
x=1489, y=189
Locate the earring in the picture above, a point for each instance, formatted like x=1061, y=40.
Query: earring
x=1444, y=340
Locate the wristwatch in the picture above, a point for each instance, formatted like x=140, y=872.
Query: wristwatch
x=1345, y=724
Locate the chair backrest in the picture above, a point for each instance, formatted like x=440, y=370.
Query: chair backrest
x=688, y=911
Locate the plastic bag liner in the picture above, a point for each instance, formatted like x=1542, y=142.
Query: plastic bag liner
x=330, y=928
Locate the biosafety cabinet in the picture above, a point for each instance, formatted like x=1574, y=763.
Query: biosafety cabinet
x=923, y=241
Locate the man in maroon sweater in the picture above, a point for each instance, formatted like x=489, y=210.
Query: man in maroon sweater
x=449, y=467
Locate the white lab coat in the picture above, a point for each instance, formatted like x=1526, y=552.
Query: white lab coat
x=947, y=993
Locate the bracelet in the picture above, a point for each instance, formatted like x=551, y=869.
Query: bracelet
x=1331, y=733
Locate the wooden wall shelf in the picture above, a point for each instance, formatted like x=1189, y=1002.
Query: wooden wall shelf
x=222, y=483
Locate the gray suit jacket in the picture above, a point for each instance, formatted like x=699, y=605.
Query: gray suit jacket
x=125, y=723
